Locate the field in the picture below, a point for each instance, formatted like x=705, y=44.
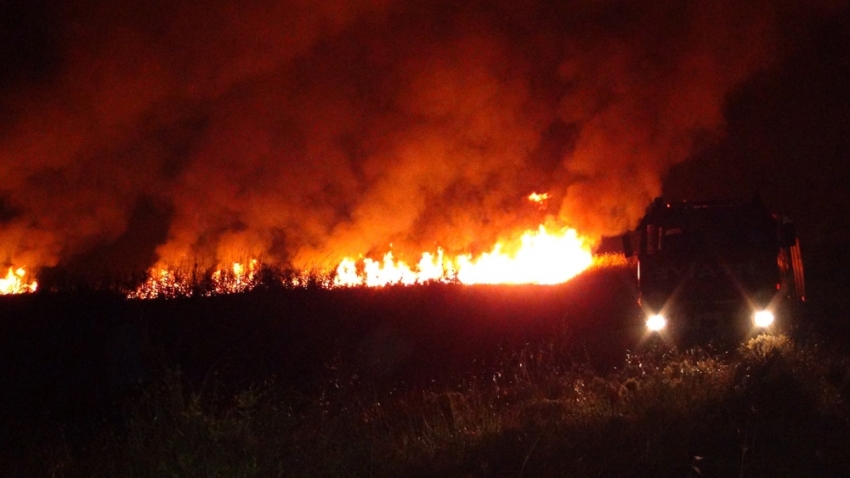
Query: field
x=434, y=380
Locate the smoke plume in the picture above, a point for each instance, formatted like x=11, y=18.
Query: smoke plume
x=302, y=132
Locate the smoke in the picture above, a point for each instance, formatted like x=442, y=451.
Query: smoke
x=642, y=96
x=302, y=132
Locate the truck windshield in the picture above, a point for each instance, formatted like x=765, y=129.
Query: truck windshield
x=705, y=232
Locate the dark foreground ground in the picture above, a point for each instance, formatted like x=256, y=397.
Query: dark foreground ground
x=438, y=380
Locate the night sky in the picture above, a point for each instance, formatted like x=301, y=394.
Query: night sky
x=304, y=131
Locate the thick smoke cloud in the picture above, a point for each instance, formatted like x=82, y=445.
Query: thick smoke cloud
x=302, y=132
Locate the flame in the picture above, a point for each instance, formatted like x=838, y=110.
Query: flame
x=169, y=282
x=431, y=267
x=542, y=257
x=539, y=257
x=163, y=282
x=538, y=198
x=240, y=279
x=14, y=282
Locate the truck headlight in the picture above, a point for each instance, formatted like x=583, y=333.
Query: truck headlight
x=763, y=318
x=656, y=322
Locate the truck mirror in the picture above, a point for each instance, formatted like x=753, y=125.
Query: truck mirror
x=628, y=250
x=787, y=234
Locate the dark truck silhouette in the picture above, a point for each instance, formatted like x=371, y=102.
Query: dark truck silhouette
x=716, y=269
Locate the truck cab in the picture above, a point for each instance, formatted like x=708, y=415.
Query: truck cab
x=716, y=269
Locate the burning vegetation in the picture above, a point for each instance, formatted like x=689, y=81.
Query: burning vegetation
x=541, y=257
x=16, y=282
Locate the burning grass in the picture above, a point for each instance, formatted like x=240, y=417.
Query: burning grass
x=170, y=283
x=770, y=408
x=541, y=256
x=17, y=282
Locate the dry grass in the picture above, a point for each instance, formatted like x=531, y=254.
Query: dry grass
x=770, y=408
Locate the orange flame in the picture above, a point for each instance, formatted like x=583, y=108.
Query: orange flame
x=538, y=257
x=239, y=280
x=163, y=282
x=538, y=198
x=167, y=282
x=14, y=282
x=542, y=257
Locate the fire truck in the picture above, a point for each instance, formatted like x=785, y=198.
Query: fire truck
x=716, y=269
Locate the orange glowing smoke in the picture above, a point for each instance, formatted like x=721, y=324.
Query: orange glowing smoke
x=542, y=257
x=14, y=282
